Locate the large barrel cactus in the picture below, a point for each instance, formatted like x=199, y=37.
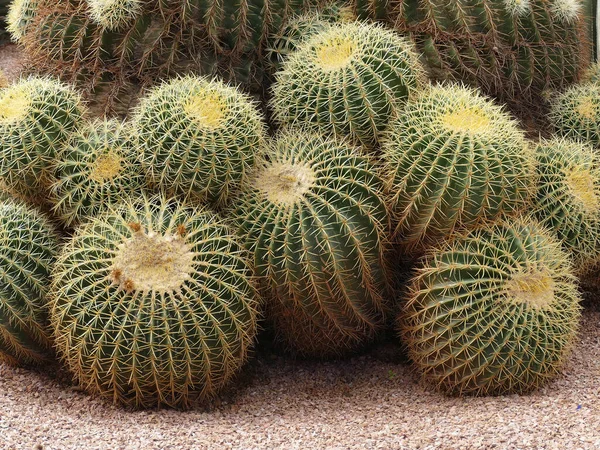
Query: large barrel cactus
x=494, y=311
x=314, y=219
x=153, y=304
x=28, y=250
x=453, y=159
x=349, y=79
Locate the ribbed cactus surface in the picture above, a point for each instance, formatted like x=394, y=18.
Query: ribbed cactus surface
x=453, y=159
x=349, y=79
x=153, y=304
x=28, y=250
x=494, y=311
x=97, y=168
x=198, y=137
x=314, y=219
x=575, y=113
x=568, y=197
x=37, y=116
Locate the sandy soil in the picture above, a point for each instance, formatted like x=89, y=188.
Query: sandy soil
x=370, y=401
x=11, y=61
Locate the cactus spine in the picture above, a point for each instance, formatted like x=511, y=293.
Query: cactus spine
x=575, y=113
x=314, y=219
x=494, y=311
x=153, y=305
x=27, y=252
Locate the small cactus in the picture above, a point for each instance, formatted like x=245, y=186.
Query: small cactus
x=349, y=80
x=453, y=159
x=28, y=250
x=153, y=305
x=37, y=116
x=314, y=219
x=568, y=198
x=199, y=137
x=97, y=169
x=494, y=311
x=575, y=113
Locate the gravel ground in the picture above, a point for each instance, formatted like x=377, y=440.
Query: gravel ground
x=370, y=401
x=11, y=61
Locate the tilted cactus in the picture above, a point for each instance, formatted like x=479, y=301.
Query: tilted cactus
x=199, y=137
x=37, y=116
x=575, y=113
x=153, y=304
x=97, y=169
x=568, y=198
x=349, y=80
x=454, y=159
x=28, y=248
x=494, y=311
x=314, y=218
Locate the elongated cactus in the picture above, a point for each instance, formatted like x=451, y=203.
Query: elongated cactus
x=568, y=198
x=453, y=159
x=28, y=248
x=199, y=137
x=153, y=304
x=314, y=219
x=349, y=80
x=37, y=116
x=494, y=311
x=575, y=113
x=97, y=169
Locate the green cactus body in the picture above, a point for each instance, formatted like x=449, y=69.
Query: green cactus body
x=315, y=221
x=568, y=198
x=153, y=305
x=199, y=137
x=592, y=74
x=575, y=113
x=453, y=159
x=19, y=16
x=97, y=169
x=37, y=116
x=494, y=311
x=349, y=80
x=27, y=252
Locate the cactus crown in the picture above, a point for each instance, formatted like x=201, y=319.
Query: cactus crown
x=565, y=11
x=581, y=185
x=207, y=108
x=575, y=113
x=15, y=103
x=285, y=182
x=518, y=8
x=114, y=14
x=20, y=14
x=106, y=167
x=336, y=50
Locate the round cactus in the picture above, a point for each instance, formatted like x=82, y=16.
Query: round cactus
x=97, y=169
x=27, y=253
x=494, y=311
x=37, y=116
x=575, y=113
x=568, y=197
x=348, y=80
x=153, y=305
x=452, y=160
x=20, y=15
x=199, y=137
x=314, y=218
x=114, y=14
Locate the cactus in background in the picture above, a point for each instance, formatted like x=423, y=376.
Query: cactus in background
x=592, y=74
x=97, y=169
x=37, y=115
x=198, y=137
x=27, y=252
x=494, y=311
x=568, y=198
x=114, y=14
x=349, y=80
x=153, y=305
x=19, y=16
x=453, y=159
x=315, y=221
x=575, y=113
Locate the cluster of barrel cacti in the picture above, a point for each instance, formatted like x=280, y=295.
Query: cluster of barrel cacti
x=145, y=254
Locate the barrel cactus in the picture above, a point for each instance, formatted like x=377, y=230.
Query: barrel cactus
x=114, y=14
x=199, y=137
x=314, y=219
x=28, y=252
x=98, y=168
x=153, y=304
x=568, y=197
x=575, y=113
x=37, y=116
x=349, y=80
x=494, y=311
x=453, y=159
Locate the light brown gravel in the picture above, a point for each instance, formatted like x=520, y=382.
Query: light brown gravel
x=371, y=401
x=11, y=61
